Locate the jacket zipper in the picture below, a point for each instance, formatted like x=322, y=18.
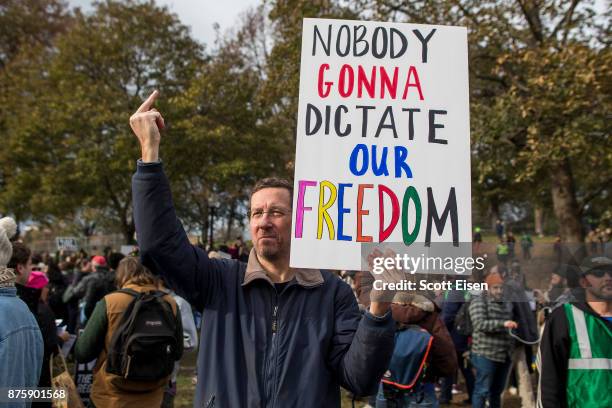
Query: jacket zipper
x=273, y=358
x=270, y=358
x=275, y=354
x=274, y=320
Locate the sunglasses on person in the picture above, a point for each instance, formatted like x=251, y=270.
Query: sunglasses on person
x=599, y=272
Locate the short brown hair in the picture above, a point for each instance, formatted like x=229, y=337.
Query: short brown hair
x=21, y=254
x=274, y=182
x=130, y=269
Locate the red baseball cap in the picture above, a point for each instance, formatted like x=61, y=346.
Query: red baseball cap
x=99, y=260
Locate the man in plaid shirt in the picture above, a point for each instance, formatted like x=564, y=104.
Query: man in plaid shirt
x=492, y=346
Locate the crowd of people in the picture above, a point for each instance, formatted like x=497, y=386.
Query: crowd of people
x=45, y=299
x=275, y=336
x=490, y=337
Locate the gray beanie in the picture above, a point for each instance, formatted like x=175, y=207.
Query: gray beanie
x=7, y=230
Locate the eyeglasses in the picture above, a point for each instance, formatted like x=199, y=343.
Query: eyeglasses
x=599, y=272
x=272, y=213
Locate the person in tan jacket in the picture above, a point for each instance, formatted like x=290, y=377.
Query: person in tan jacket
x=110, y=390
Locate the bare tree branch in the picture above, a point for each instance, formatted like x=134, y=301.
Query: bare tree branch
x=466, y=13
x=607, y=184
x=533, y=20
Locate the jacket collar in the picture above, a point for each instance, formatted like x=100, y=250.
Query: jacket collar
x=141, y=288
x=10, y=291
x=585, y=307
x=307, y=278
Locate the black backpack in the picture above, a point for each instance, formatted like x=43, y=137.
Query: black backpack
x=148, y=339
x=463, y=322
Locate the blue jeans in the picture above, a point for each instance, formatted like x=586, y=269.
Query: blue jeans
x=447, y=383
x=426, y=398
x=491, y=378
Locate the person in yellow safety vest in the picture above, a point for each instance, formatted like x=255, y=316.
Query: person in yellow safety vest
x=502, y=251
x=575, y=356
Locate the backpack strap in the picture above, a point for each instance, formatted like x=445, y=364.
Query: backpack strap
x=156, y=293
x=129, y=292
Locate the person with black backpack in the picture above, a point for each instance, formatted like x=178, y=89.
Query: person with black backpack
x=136, y=335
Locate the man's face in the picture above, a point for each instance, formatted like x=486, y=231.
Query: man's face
x=271, y=223
x=599, y=287
x=23, y=272
x=496, y=291
x=556, y=280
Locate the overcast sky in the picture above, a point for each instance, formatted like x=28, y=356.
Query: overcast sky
x=200, y=15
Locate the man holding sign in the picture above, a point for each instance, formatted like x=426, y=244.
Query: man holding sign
x=384, y=114
x=272, y=335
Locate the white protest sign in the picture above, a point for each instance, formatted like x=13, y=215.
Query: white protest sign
x=67, y=243
x=383, y=140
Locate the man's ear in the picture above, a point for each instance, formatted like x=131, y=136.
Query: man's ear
x=19, y=269
x=584, y=282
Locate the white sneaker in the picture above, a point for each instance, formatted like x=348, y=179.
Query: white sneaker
x=512, y=390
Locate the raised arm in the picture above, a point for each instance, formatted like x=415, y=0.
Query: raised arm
x=162, y=241
x=146, y=123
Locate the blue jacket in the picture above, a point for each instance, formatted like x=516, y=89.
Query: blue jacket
x=21, y=345
x=258, y=347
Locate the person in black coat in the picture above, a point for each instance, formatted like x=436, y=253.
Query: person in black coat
x=57, y=286
x=453, y=300
x=30, y=294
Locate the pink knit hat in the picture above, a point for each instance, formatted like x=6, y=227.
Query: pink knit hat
x=37, y=280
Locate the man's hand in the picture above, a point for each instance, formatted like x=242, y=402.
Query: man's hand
x=510, y=324
x=86, y=266
x=65, y=336
x=146, y=123
x=381, y=298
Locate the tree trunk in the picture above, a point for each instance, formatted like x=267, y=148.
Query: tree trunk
x=565, y=204
x=128, y=229
x=567, y=213
x=204, y=224
x=538, y=215
x=230, y=221
x=494, y=212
